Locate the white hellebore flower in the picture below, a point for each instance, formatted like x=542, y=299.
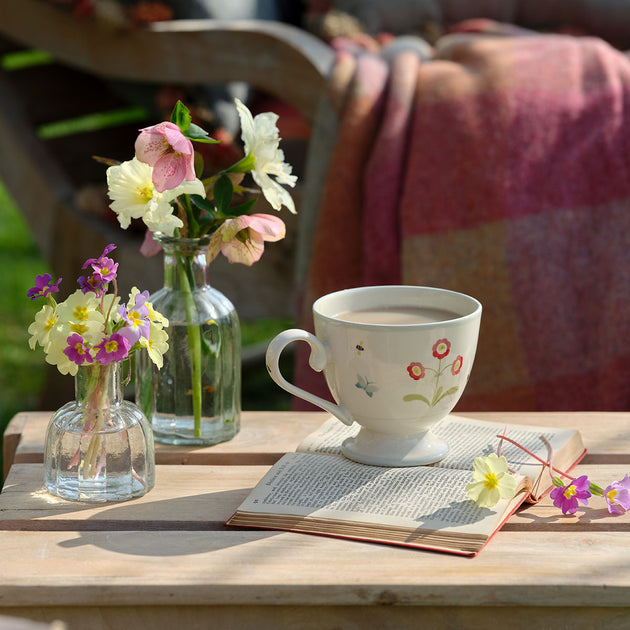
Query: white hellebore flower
x=130, y=187
x=261, y=139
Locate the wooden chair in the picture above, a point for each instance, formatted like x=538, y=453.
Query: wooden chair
x=47, y=176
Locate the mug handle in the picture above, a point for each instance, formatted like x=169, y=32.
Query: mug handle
x=317, y=360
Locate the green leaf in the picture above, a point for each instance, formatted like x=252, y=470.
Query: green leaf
x=181, y=117
x=410, y=397
x=196, y=133
x=205, y=222
x=222, y=193
x=199, y=164
x=193, y=225
x=202, y=203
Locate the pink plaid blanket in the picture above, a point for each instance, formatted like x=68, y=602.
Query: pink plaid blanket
x=500, y=169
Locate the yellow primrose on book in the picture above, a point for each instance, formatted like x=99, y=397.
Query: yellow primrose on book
x=491, y=481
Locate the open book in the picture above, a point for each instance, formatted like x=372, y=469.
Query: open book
x=317, y=490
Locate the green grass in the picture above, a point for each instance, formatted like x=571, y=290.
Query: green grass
x=21, y=59
x=21, y=369
x=92, y=122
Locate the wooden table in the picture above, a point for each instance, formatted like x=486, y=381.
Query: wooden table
x=167, y=561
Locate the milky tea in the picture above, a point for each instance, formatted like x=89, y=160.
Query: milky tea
x=397, y=315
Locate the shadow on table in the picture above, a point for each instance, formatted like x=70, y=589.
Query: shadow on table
x=123, y=528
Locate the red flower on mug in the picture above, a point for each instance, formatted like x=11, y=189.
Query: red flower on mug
x=416, y=371
x=457, y=365
x=441, y=348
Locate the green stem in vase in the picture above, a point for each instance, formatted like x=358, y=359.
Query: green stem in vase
x=194, y=337
x=96, y=389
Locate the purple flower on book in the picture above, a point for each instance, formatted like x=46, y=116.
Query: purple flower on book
x=567, y=497
x=617, y=496
x=44, y=286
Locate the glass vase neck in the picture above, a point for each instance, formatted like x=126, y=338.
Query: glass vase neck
x=185, y=263
x=98, y=386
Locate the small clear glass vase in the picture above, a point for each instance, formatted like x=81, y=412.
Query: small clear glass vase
x=99, y=447
x=195, y=397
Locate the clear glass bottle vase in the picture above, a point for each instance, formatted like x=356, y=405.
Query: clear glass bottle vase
x=99, y=447
x=195, y=398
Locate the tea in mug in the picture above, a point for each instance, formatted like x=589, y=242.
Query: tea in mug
x=398, y=315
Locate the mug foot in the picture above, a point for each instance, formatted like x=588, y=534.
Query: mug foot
x=378, y=449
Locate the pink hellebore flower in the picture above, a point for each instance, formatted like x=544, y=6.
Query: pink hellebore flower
x=242, y=239
x=150, y=247
x=169, y=152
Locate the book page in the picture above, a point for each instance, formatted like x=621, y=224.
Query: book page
x=467, y=438
x=420, y=497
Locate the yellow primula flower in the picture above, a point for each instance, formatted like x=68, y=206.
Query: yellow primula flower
x=45, y=321
x=155, y=345
x=79, y=313
x=491, y=481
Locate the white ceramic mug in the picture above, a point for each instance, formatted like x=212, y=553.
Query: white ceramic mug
x=393, y=373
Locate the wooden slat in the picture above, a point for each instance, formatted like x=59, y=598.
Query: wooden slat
x=184, y=498
x=145, y=568
x=264, y=437
x=204, y=497
x=380, y=615
x=11, y=439
x=166, y=559
x=281, y=59
x=74, y=155
x=53, y=92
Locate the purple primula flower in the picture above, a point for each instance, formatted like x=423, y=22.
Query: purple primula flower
x=104, y=272
x=111, y=349
x=136, y=319
x=96, y=261
x=566, y=497
x=44, y=286
x=91, y=284
x=617, y=496
x=77, y=351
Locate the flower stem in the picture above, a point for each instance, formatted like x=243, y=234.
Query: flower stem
x=96, y=388
x=194, y=339
x=542, y=461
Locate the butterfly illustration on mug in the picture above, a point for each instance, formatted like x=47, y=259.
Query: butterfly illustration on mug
x=367, y=386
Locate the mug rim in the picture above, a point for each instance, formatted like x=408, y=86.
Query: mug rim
x=336, y=295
